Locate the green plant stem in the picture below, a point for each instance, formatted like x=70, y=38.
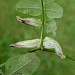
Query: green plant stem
x=52, y=51
x=42, y=27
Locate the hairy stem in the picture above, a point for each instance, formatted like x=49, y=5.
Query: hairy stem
x=42, y=27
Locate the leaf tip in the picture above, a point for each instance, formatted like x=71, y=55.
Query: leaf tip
x=12, y=45
x=19, y=18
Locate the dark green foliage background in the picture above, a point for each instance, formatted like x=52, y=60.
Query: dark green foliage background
x=12, y=31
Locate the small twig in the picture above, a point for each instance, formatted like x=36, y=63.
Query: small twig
x=70, y=58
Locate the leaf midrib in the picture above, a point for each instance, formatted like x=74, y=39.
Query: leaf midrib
x=40, y=9
x=30, y=7
x=20, y=67
x=52, y=10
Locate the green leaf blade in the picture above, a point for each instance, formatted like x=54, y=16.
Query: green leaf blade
x=24, y=64
x=50, y=27
x=30, y=7
x=53, y=10
x=1, y=73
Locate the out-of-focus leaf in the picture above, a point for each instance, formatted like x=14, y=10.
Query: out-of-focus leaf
x=24, y=64
x=50, y=26
x=1, y=73
x=53, y=10
x=30, y=7
x=3, y=64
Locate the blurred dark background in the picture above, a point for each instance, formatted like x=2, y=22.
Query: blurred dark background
x=12, y=31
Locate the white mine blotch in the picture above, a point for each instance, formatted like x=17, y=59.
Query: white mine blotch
x=50, y=43
x=30, y=21
x=27, y=44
